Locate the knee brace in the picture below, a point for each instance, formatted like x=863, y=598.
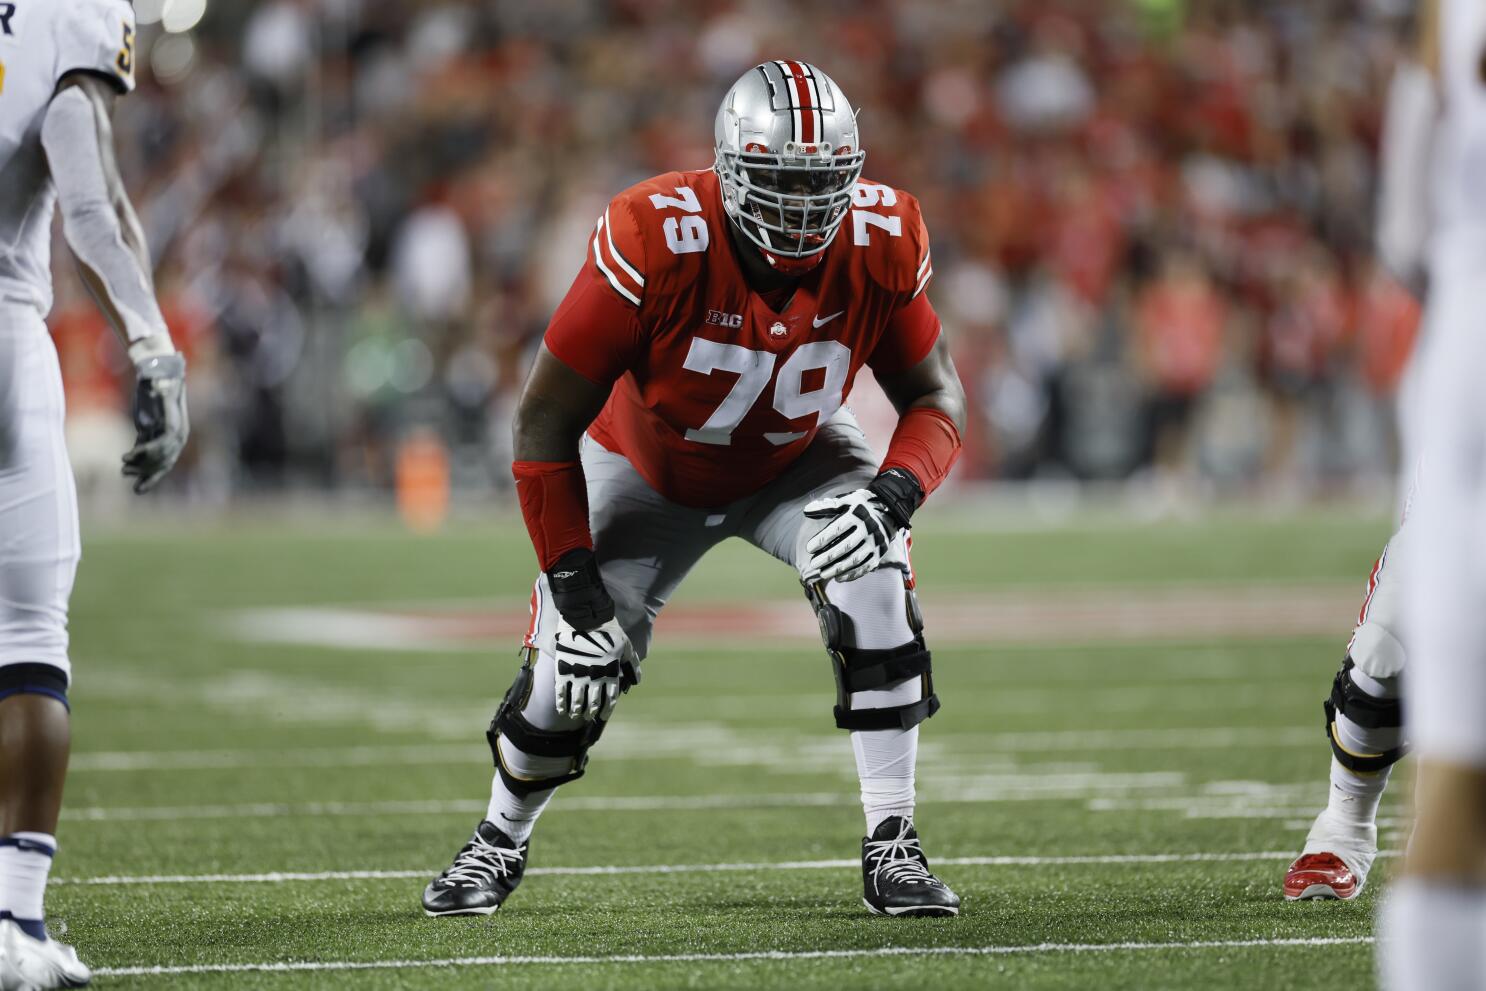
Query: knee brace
x=1366, y=711
x=530, y=739
x=34, y=679
x=858, y=669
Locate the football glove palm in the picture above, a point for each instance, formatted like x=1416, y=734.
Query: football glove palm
x=160, y=422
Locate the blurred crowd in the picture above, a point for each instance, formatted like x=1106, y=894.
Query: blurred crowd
x=1151, y=221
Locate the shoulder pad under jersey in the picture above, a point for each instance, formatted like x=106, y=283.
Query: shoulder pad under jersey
x=887, y=227
x=654, y=236
x=95, y=36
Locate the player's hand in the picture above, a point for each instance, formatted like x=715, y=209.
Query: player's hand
x=160, y=422
x=593, y=668
x=854, y=542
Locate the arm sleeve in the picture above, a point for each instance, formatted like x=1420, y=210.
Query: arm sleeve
x=554, y=504
x=911, y=333
x=595, y=331
x=72, y=135
x=926, y=444
x=1404, y=219
x=97, y=36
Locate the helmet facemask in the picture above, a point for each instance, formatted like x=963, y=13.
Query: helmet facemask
x=789, y=204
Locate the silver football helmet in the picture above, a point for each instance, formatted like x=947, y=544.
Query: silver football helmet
x=788, y=154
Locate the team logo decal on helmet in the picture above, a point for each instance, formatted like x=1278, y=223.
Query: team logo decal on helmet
x=788, y=154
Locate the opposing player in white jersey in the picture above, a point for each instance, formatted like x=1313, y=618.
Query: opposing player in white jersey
x=1433, y=919
x=62, y=62
x=1364, y=713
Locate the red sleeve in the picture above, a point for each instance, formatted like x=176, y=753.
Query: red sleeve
x=911, y=332
x=926, y=444
x=554, y=503
x=595, y=332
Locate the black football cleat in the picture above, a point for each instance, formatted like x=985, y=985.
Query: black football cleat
x=481, y=878
x=895, y=874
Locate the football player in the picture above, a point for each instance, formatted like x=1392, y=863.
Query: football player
x=1364, y=724
x=1364, y=714
x=690, y=388
x=1435, y=913
x=62, y=63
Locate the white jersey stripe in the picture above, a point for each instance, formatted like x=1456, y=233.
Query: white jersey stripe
x=616, y=256
x=922, y=283
x=598, y=259
x=922, y=265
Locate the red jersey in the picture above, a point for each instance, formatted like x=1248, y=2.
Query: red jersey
x=714, y=391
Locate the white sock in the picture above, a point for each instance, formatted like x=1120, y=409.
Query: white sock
x=517, y=814
x=886, y=758
x=25, y=861
x=1429, y=937
x=1354, y=797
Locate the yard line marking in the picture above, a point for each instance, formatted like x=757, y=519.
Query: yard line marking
x=653, y=748
x=279, y=877
x=217, y=760
x=1073, y=788
x=760, y=955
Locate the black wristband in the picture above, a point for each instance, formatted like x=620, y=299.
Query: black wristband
x=578, y=590
x=900, y=492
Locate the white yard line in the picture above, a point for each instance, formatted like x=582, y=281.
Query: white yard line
x=758, y=955
x=119, y=761
x=1077, y=787
x=279, y=877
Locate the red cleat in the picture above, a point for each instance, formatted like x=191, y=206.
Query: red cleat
x=1320, y=876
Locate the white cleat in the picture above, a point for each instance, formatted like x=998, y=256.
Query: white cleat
x=28, y=964
x=1334, y=862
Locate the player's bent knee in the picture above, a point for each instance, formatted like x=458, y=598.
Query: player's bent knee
x=547, y=757
x=34, y=679
x=1351, y=703
x=881, y=672
x=1377, y=652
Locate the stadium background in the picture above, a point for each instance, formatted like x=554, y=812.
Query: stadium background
x=1151, y=235
x=1151, y=224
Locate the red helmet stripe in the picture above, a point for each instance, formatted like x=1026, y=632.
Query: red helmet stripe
x=803, y=101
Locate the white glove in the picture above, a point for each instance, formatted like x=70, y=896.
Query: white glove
x=593, y=668
x=160, y=422
x=856, y=540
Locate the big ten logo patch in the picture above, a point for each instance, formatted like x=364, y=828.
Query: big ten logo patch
x=717, y=318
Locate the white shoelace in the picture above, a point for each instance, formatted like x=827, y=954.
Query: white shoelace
x=482, y=862
x=898, y=860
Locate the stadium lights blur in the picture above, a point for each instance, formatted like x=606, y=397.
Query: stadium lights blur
x=179, y=16
x=149, y=11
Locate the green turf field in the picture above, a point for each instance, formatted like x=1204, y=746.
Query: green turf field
x=1116, y=812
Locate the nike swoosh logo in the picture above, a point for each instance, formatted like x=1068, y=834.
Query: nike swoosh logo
x=821, y=321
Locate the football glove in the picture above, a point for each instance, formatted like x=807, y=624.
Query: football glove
x=160, y=422
x=863, y=525
x=593, y=668
x=595, y=660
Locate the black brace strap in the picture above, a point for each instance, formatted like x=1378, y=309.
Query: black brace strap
x=1363, y=709
x=529, y=739
x=860, y=670
x=864, y=670
x=1366, y=711
x=892, y=717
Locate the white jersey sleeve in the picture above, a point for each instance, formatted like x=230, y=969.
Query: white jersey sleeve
x=96, y=36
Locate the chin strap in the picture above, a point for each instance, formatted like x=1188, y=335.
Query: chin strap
x=792, y=266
